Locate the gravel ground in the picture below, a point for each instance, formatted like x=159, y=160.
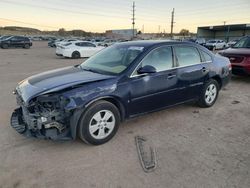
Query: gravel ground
x=195, y=147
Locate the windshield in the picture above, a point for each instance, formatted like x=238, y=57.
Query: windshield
x=112, y=60
x=4, y=37
x=243, y=43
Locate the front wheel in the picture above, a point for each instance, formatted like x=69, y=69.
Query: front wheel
x=209, y=94
x=5, y=46
x=99, y=123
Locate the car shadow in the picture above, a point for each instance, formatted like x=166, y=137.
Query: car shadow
x=242, y=78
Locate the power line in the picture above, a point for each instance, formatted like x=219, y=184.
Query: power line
x=65, y=10
x=105, y=15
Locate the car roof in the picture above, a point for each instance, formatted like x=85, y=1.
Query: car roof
x=158, y=43
x=74, y=42
x=151, y=43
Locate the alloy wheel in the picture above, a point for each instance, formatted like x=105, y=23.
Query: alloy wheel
x=102, y=124
x=210, y=94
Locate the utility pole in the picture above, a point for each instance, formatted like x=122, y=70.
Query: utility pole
x=172, y=23
x=225, y=35
x=159, y=29
x=133, y=19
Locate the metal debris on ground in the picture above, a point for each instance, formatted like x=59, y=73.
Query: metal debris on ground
x=147, y=154
x=235, y=102
x=196, y=111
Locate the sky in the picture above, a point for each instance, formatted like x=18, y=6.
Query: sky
x=99, y=15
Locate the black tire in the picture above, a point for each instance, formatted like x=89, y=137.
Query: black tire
x=5, y=46
x=105, y=45
x=203, y=100
x=26, y=46
x=87, y=118
x=76, y=55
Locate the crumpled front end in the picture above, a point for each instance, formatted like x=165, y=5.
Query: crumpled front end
x=44, y=117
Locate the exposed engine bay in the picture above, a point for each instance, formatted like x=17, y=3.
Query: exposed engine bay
x=44, y=117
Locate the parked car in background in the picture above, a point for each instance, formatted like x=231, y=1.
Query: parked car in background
x=232, y=42
x=52, y=43
x=239, y=55
x=79, y=49
x=120, y=82
x=200, y=41
x=98, y=42
x=16, y=41
x=108, y=42
x=59, y=48
x=215, y=44
x=65, y=41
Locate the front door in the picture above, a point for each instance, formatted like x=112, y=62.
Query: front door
x=156, y=90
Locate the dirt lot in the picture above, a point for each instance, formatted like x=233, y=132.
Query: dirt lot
x=195, y=147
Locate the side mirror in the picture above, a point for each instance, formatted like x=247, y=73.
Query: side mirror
x=146, y=70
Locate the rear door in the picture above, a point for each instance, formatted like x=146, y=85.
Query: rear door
x=191, y=71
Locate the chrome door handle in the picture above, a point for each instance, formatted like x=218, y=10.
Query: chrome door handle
x=171, y=76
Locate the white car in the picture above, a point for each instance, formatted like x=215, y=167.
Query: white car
x=79, y=49
x=61, y=43
x=215, y=44
x=108, y=42
x=232, y=42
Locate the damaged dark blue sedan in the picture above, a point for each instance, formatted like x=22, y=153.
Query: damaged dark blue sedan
x=123, y=81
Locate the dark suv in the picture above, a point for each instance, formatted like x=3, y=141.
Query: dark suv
x=15, y=41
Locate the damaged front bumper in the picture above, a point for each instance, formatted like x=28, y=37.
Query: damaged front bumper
x=44, y=118
x=47, y=131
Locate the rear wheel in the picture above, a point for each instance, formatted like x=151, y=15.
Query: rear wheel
x=99, y=123
x=26, y=46
x=209, y=94
x=76, y=55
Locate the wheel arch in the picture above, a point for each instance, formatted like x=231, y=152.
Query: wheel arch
x=218, y=79
x=75, y=51
x=74, y=120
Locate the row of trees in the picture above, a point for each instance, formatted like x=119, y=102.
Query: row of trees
x=78, y=33
x=63, y=32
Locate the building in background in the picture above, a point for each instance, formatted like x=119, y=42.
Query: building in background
x=224, y=32
x=121, y=33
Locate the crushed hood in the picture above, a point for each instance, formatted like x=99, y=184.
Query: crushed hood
x=56, y=80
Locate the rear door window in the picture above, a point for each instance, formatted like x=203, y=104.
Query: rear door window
x=90, y=44
x=206, y=56
x=187, y=55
